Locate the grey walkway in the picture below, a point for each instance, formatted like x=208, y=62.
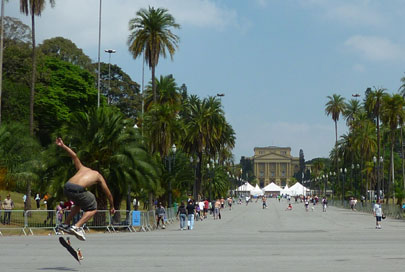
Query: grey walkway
x=247, y=238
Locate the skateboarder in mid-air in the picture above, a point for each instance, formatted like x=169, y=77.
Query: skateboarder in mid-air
x=75, y=190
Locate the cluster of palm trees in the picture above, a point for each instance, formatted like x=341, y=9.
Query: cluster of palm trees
x=134, y=155
x=373, y=145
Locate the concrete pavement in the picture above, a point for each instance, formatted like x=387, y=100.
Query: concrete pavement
x=247, y=238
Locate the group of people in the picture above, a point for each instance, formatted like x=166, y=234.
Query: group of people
x=191, y=211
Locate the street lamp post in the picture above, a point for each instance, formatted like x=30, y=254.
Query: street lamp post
x=195, y=177
x=381, y=170
x=326, y=181
x=343, y=171
x=171, y=158
x=109, y=51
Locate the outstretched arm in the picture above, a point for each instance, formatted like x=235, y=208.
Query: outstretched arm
x=107, y=192
x=71, y=153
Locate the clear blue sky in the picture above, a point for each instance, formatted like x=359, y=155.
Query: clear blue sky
x=275, y=60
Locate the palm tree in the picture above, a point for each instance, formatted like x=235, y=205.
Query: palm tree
x=352, y=110
x=365, y=142
x=151, y=35
x=108, y=143
x=334, y=107
x=373, y=106
x=33, y=8
x=402, y=88
x=166, y=92
x=205, y=130
x=391, y=115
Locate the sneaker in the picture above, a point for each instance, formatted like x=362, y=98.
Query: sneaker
x=78, y=232
x=64, y=228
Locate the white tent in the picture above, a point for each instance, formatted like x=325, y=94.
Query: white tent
x=286, y=191
x=298, y=189
x=247, y=187
x=256, y=191
x=272, y=187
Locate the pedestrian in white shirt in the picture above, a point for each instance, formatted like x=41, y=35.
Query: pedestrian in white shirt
x=378, y=213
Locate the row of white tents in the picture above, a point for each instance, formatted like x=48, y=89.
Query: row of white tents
x=272, y=188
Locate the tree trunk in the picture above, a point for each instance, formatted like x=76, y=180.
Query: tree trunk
x=150, y=207
x=392, y=168
x=154, y=84
x=100, y=219
x=378, y=148
x=28, y=193
x=32, y=95
x=403, y=161
x=199, y=175
x=1, y=52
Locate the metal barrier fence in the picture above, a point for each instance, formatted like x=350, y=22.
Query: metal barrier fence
x=49, y=219
x=389, y=210
x=12, y=220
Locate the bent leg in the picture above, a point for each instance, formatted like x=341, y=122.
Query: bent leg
x=86, y=217
x=72, y=213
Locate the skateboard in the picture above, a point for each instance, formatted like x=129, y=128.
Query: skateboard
x=75, y=253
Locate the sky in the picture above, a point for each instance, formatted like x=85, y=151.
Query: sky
x=276, y=61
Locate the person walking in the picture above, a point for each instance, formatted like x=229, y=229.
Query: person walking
x=264, y=199
x=75, y=190
x=182, y=214
x=378, y=213
x=324, y=204
x=190, y=214
x=38, y=200
x=160, y=216
x=7, y=205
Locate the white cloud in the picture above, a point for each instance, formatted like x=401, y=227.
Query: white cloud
x=376, y=48
x=350, y=12
x=77, y=20
x=262, y=3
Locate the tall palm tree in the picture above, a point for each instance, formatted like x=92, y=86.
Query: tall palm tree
x=33, y=8
x=335, y=107
x=352, y=110
x=151, y=35
x=391, y=115
x=203, y=121
x=166, y=92
x=365, y=141
x=373, y=106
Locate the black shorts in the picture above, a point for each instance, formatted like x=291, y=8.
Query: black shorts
x=378, y=218
x=80, y=197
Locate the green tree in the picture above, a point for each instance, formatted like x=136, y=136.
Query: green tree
x=18, y=152
x=392, y=115
x=108, y=143
x=335, y=107
x=66, y=50
x=150, y=34
x=373, y=105
x=204, y=124
x=120, y=90
x=34, y=8
x=62, y=89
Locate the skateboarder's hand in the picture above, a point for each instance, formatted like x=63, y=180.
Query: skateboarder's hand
x=59, y=142
x=112, y=210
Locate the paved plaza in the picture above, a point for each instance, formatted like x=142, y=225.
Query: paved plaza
x=247, y=238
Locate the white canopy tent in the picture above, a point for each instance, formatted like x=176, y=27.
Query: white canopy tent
x=247, y=187
x=298, y=189
x=256, y=191
x=286, y=191
x=272, y=188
